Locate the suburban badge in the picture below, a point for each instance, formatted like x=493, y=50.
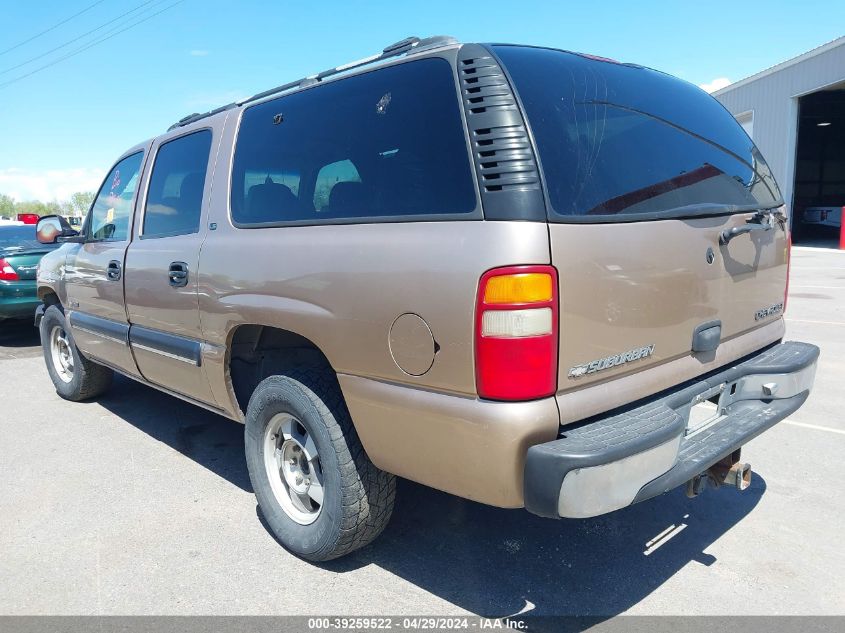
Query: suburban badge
x=611, y=361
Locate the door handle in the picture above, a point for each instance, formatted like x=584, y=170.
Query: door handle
x=760, y=221
x=728, y=234
x=178, y=274
x=113, y=270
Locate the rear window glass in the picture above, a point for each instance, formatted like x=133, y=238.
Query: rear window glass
x=616, y=139
x=383, y=144
x=22, y=237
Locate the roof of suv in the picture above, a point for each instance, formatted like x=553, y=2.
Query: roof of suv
x=408, y=46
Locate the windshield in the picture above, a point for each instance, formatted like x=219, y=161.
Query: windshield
x=22, y=237
x=617, y=141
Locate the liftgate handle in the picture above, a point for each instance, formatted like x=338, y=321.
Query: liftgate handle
x=728, y=234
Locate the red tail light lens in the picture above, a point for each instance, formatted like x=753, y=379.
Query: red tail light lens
x=516, y=333
x=7, y=273
x=788, y=267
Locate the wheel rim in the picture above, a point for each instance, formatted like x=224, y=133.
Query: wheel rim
x=61, y=353
x=294, y=468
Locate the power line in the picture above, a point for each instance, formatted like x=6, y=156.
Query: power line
x=76, y=39
x=52, y=28
x=87, y=46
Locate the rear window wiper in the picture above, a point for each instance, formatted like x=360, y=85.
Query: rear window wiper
x=709, y=209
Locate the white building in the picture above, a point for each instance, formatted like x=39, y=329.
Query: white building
x=795, y=112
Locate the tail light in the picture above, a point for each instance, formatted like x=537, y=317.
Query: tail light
x=788, y=266
x=7, y=273
x=516, y=333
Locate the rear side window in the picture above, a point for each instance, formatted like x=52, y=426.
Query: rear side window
x=174, y=200
x=617, y=140
x=385, y=144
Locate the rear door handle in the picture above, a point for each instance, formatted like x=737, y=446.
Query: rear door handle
x=728, y=234
x=178, y=274
x=761, y=221
x=113, y=270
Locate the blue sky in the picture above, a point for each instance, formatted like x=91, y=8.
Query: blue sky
x=61, y=128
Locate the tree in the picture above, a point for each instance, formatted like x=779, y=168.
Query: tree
x=80, y=202
x=7, y=206
x=37, y=207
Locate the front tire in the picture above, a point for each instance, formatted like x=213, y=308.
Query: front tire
x=318, y=491
x=74, y=376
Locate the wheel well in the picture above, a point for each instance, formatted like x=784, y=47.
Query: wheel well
x=48, y=297
x=259, y=351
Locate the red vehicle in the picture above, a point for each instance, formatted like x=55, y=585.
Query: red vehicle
x=28, y=218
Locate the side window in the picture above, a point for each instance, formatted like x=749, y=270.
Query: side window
x=383, y=144
x=328, y=177
x=112, y=209
x=174, y=200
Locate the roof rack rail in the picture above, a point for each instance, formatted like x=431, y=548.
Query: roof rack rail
x=396, y=49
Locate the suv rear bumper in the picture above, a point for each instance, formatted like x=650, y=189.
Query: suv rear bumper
x=609, y=462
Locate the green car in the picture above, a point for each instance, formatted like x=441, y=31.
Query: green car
x=20, y=253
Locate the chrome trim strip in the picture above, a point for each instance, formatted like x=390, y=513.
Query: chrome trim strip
x=166, y=344
x=146, y=348
x=95, y=333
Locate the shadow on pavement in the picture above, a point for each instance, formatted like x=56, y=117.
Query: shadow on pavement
x=211, y=440
x=17, y=333
x=498, y=562
x=486, y=560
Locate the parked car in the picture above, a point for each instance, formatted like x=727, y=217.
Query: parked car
x=28, y=218
x=527, y=277
x=20, y=253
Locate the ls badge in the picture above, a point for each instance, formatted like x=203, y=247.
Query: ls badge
x=767, y=312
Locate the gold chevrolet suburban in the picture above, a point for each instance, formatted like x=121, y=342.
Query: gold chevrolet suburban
x=525, y=276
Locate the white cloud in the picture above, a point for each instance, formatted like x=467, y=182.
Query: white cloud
x=716, y=84
x=198, y=52
x=47, y=185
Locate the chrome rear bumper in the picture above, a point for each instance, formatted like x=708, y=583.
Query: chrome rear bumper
x=611, y=461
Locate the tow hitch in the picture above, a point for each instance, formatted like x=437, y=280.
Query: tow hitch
x=730, y=471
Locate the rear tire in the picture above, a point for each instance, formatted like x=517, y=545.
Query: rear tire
x=318, y=491
x=74, y=376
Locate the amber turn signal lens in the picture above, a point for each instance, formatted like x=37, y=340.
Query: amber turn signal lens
x=519, y=288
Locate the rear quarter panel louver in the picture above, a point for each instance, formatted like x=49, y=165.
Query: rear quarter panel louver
x=502, y=153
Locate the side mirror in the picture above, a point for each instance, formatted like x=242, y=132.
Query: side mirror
x=72, y=236
x=53, y=228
